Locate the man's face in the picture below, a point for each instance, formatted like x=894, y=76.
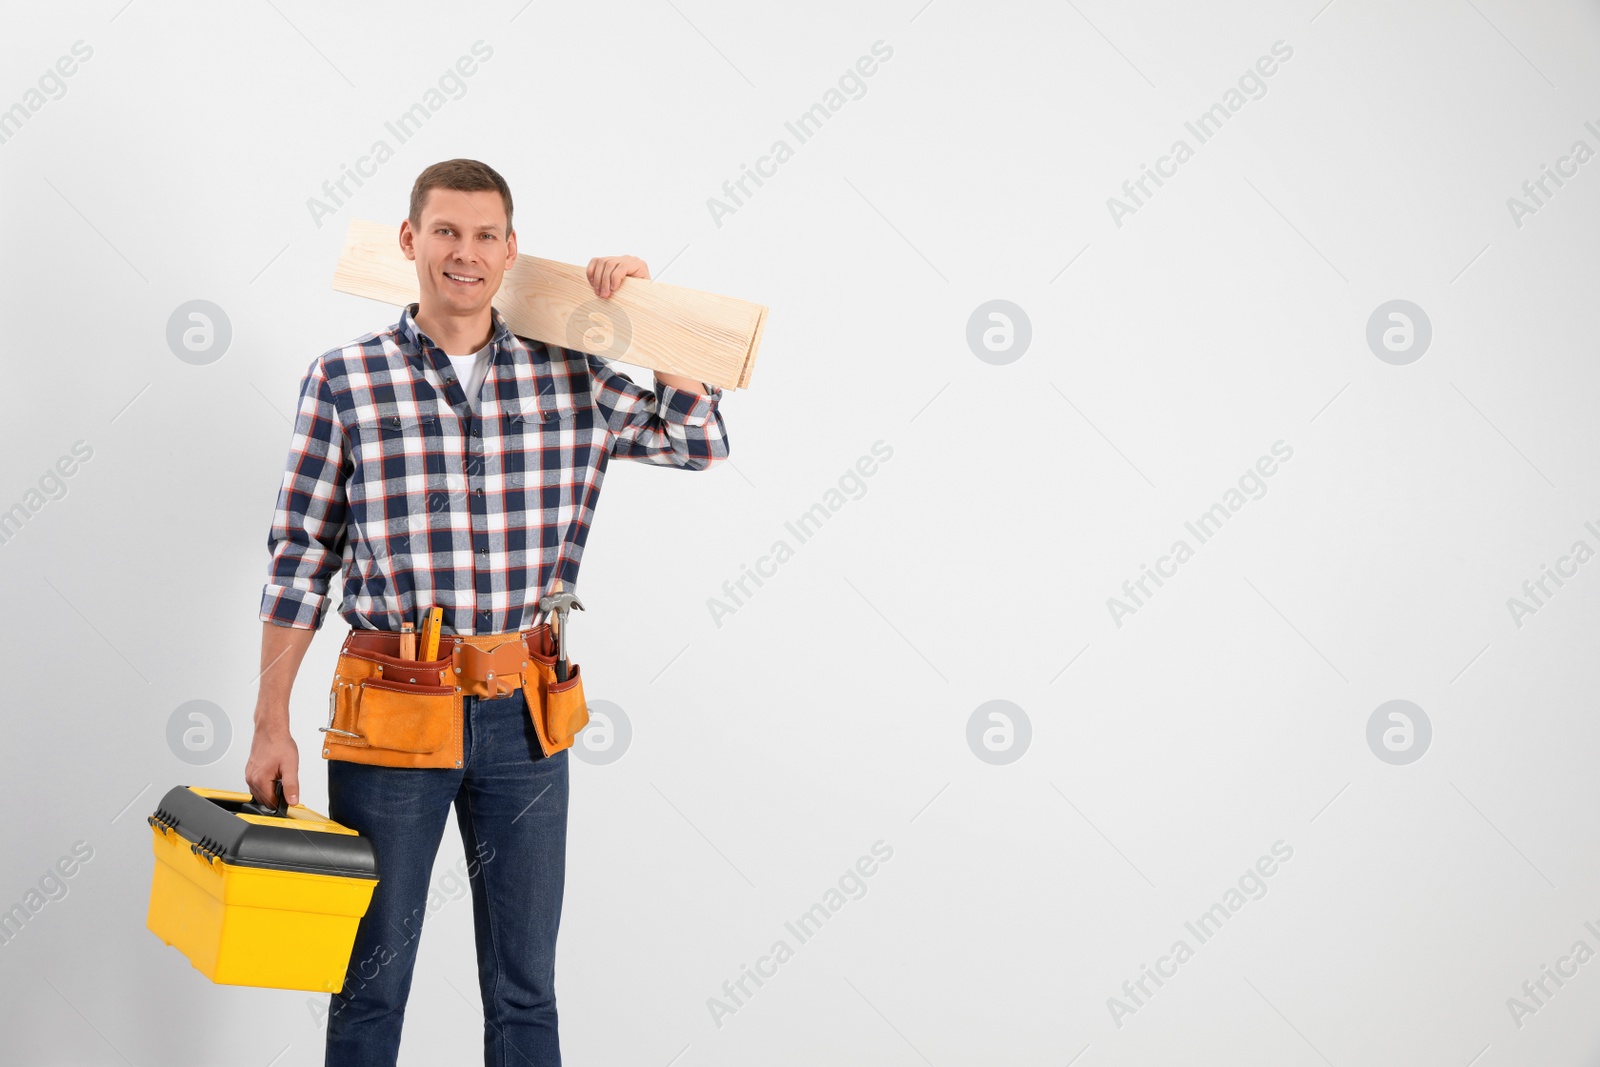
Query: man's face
x=461, y=249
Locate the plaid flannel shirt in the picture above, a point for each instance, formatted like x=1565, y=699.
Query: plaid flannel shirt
x=423, y=503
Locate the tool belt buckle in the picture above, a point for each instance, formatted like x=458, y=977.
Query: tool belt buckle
x=494, y=668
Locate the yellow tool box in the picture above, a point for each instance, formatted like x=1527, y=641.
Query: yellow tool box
x=254, y=896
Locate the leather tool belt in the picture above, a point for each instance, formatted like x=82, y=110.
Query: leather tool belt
x=396, y=712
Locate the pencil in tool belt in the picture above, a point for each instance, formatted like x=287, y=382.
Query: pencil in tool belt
x=430, y=633
x=408, y=641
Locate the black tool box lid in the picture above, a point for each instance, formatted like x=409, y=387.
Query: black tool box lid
x=285, y=844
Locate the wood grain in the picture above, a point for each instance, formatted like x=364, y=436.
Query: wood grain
x=668, y=328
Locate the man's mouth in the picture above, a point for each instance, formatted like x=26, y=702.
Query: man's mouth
x=464, y=280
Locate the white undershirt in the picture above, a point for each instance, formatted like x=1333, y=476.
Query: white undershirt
x=471, y=371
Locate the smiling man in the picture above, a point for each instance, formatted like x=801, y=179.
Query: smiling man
x=446, y=462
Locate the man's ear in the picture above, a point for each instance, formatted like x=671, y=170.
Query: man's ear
x=511, y=249
x=408, y=239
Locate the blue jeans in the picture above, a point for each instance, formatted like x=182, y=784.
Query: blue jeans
x=511, y=807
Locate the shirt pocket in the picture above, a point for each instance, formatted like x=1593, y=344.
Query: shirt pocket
x=571, y=435
x=533, y=421
x=401, y=453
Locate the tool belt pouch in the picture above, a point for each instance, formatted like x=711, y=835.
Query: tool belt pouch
x=393, y=712
x=557, y=708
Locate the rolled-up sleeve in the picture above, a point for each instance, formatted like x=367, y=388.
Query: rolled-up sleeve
x=307, y=537
x=669, y=427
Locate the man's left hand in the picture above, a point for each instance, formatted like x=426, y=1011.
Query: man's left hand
x=606, y=273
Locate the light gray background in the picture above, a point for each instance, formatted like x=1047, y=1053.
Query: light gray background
x=831, y=711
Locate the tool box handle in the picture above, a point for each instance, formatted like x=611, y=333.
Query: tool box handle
x=282, y=810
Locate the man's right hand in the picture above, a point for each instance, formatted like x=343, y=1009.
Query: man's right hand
x=273, y=754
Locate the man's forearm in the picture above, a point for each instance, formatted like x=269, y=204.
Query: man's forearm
x=678, y=381
x=282, y=649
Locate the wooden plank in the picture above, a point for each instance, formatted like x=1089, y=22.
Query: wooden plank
x=669, y=328
x=755, y=343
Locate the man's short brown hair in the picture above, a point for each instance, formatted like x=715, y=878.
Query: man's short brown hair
x=465, y=175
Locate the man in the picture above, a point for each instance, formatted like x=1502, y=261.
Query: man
x=447, y=462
